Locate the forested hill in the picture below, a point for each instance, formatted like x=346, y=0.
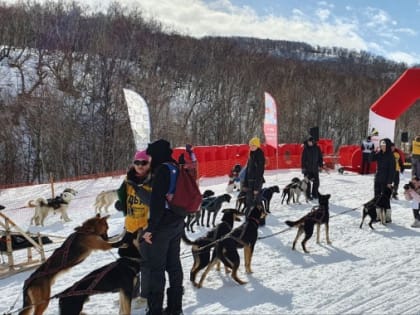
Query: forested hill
x=62, y=72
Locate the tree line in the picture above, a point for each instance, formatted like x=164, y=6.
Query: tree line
x=63, y=110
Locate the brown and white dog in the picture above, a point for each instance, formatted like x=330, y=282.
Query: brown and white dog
x=118, y=276
x=44, y=206
x=105, y=199
x=91, y=235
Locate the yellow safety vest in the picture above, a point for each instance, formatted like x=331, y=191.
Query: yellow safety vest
x=416, y=147
x=397, y=158
x=137, y=211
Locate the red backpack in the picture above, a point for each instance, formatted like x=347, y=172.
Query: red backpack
x=184, y=196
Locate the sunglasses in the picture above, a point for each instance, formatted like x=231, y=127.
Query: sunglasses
x=141, y=162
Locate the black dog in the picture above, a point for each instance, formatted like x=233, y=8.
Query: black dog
x=267, y=195
x=288, y=194
x=213, y=205
x=319, y=215
x=381, y=202
x=195, y=218
x=226, y=250
x=240, y=202
x=201, y=247
x=121, y=276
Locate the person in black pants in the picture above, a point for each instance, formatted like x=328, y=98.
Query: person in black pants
x=385, y=172
x=160, y=250
x=367, y=148
x=254, y=174
x=311, y=162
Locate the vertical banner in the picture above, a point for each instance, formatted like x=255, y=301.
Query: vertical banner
x=138, y=113
x=270, y=123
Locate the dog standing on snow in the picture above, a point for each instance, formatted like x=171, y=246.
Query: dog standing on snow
x=105, y=199
x=44, y=206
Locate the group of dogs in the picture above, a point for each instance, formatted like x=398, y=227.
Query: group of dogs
x=59, y=204
x=219, y=245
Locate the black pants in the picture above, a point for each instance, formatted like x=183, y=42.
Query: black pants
x=157, y=258
x=251, y=200
x=366, y=159
x=312, y=192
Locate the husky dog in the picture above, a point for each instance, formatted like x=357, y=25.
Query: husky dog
x=104, y=199
x=44, y=206
x=293, y=190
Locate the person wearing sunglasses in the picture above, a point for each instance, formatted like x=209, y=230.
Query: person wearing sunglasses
x=133, y=201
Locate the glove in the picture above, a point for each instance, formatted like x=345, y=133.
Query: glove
x=188, y=148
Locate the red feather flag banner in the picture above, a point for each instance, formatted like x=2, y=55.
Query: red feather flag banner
x=270, y=122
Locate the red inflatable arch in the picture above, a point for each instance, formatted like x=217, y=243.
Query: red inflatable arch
x=395, y=101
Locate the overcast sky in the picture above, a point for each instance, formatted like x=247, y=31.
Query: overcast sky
x=388, y=28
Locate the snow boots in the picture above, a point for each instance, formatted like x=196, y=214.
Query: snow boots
x=416, y=215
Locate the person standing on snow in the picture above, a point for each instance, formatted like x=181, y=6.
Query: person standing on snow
x=367, y=148
x=385, y=172
x=311, y=162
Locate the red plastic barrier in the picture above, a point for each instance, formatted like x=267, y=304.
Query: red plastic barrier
x=290, y=155
x=326, y=146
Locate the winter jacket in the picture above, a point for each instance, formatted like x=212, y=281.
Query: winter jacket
x=385, y=170
x=311, y=159
x=135, y=205
x=160, y=214
x=254, y=174
x=367, y=146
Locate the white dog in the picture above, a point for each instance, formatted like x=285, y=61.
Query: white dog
x=43, y=207
x=104, y=199
x=301, y=188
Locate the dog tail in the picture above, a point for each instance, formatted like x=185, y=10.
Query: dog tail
x=38, y=202
x=31, y=204
x=187, y=240
x=293, y=223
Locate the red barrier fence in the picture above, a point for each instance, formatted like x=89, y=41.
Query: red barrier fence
x=218, y=160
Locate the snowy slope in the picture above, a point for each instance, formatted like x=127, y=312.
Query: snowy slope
x=362, y=272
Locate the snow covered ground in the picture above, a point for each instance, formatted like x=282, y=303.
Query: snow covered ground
x=361, y=272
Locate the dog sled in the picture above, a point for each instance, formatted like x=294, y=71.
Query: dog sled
x=12, y=241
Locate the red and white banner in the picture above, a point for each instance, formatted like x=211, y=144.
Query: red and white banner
x=270, y=121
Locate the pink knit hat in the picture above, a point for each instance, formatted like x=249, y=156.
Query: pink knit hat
x=141, y=155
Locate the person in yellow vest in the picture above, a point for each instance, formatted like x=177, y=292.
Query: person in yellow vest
x=399, y=168
x=134, y=200
x=415, y=157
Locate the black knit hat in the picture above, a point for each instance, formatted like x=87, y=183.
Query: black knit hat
x=160, y=151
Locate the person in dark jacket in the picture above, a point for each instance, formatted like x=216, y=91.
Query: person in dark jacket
x=311, y=162
x=160, y=249
x=254, y=174
x=133, y=201
x=385, y=171
x=367, y=148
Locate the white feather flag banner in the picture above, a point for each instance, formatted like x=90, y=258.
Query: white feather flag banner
x=138, y=113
